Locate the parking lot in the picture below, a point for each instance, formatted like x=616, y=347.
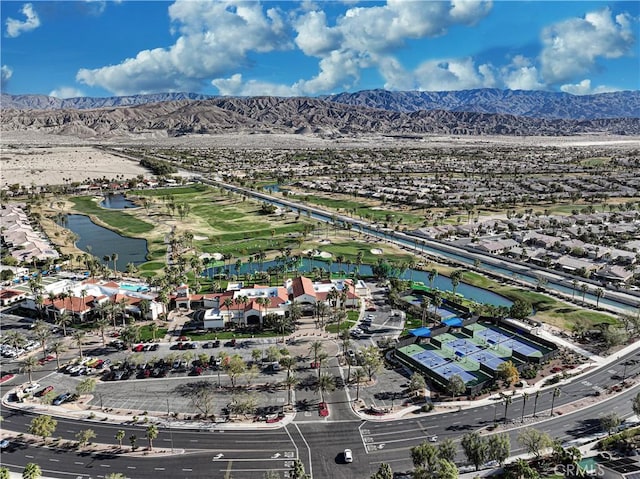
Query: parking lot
x=157, y=376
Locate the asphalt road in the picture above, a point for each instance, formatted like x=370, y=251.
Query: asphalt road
x=316, y=441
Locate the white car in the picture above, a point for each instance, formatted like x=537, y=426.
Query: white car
x=348, y=456
x=433, y=439
x=31, y=388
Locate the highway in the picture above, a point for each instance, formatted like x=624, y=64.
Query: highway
x=318, y=442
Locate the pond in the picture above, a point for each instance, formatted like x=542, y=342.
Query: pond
x=101, y=242
x=442, y=283
x=117, y=202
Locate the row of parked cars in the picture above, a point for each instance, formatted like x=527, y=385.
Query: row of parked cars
x=9, y=351
x=86, y=366
x=160, y=369
x=363, y=327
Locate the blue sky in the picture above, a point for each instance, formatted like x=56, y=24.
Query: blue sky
x=98, y=48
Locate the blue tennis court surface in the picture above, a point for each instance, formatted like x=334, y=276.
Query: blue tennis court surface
x=429, y=358
x=492, y=336
x=445, y=313
x=489, y=359
x=462, y=347
x=451, y=369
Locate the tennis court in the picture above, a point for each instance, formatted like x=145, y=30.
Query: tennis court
x=492, y=337
x=463, y=347
x=489, y=359
x=451, y=369
x=429, y=358
x=445, y=313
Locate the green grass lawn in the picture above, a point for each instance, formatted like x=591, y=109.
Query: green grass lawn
x=145, y=333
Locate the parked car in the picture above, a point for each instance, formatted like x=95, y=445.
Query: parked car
x=138, y=348
x=5, y=443
x=348, y=456
x=61, y=399
x=46, y=359
x=31, y=388
x=154, y=347
x=44, y=391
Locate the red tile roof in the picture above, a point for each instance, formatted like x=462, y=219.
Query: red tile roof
x=302, y=285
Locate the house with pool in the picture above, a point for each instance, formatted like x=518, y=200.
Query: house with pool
x=81, y=298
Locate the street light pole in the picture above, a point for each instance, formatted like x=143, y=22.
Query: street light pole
x=169, y=424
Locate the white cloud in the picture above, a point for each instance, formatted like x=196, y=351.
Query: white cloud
x=16, y=27
x=66, y=92
x=5, y=74
x=364, y=37
x=314, y=37
x=235, y=86
x=584, y=88
x=214, y=39
x=572, y=47
x=521, y=74
x=453, y=74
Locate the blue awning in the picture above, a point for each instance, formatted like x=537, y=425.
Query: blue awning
x=453, y=322
x=423, y=332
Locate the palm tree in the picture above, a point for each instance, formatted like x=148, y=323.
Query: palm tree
x=63, y=320
x=102, y=324
x=317, y=348
x=41, y=332
x=31, y=471
x=114, y=258
x=525, y=396
x=290, y=382
x=151, y=433
x=153, y=329
x=358, y=375
x=433, y=274
x=227, y=303
x=325, y=383
x=556, y=393
x=584, y=288
x=437, y=301
x=119, y=437
x=144, y=306
x=507, y=401
x=57, y=348
x=599, y=295
x=15, y=339
x=574, y=284
x=83, y=295
x=456, y=277
x=29, y=364
x=78, y=336
x=535, y=402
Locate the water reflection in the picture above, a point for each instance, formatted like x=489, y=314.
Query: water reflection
x=101, y=242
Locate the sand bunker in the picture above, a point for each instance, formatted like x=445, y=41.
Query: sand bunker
x=324, y=241
x=199, y=238
x=376, y=251
x=324, y=254
x=215, y=256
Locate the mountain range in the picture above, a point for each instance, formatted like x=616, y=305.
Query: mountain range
x=471, y=112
